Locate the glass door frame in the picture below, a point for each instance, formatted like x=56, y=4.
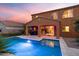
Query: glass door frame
x=48, y=25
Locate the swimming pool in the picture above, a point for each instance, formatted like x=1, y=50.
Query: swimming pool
x=25, y=47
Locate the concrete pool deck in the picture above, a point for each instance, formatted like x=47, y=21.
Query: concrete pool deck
x=66, y=51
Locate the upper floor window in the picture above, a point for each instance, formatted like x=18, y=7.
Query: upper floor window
x=55, y=16
x=68, y=13
x=36, y=16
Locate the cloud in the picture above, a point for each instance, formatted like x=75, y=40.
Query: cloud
x=15, y=15
x=22, y=12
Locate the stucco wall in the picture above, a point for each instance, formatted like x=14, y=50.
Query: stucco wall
x=63, y=22
x=41, y=21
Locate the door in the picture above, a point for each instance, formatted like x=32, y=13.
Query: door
x=48, y=30
x=33, y=30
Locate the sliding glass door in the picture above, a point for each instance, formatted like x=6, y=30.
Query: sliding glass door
x=33, y=30
x=47, y=30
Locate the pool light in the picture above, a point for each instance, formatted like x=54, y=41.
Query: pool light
x=29, y=41
x=26, y=45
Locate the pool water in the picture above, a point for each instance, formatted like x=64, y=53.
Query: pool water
x=25, y=47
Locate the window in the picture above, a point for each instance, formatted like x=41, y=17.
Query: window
x=55, y=16
x=47, y=30
x=33, y=30
x=68, y=13
x=66, y=29
x=36, y=16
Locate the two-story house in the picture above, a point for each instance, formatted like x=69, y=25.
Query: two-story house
x=59, y=22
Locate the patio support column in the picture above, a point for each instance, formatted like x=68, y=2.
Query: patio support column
x=39, y=31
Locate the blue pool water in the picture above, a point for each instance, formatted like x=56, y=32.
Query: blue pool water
x=25, y=47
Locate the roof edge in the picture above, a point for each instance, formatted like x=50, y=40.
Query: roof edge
x=56, y=9
x=40, y=17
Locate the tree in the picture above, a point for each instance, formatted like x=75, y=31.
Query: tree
x=77, y=26
x=77, y=29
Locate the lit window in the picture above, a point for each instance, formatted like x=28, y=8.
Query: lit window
x=36, y=16
x=66, y=29
x=68, y=13
x=55, y=16
x=34, y=29
x=47, y=30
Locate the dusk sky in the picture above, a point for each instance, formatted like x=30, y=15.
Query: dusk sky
x=21, y=12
